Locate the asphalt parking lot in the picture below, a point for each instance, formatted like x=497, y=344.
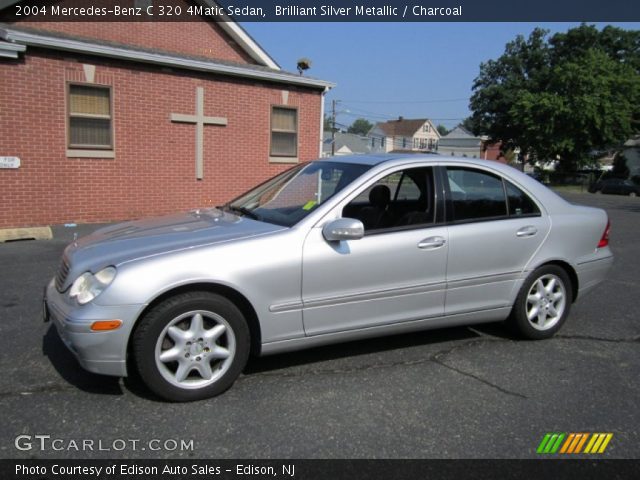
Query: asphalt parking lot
x=454, y=393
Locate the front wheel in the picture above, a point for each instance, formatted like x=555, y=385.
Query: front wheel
x=543, y=303
x=191, y=346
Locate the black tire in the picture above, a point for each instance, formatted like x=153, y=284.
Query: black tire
x=214, y=311
x=537, y=329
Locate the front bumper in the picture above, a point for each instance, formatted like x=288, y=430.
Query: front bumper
x=98, y=352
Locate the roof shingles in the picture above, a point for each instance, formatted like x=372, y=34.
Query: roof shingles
x=402, y=127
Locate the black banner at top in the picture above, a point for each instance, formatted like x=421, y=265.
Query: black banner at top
x=321, y=10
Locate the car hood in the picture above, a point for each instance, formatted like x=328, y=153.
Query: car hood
x=128, y=241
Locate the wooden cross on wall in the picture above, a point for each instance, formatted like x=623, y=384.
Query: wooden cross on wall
x=200, y=121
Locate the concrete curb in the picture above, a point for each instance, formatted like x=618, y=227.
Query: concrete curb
x=27, y=233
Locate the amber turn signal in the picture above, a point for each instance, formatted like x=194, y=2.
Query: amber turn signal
x=104, y=325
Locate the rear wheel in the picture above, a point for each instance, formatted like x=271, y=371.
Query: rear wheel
x=543, y=304
x=632, y=194
x=191, y=346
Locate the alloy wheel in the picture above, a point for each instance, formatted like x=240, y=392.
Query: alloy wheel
x=546, y=302
x=195, y=349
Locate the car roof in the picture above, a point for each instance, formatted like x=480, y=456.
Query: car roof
x=374, y=160
x=380, y=158
x=369, y=159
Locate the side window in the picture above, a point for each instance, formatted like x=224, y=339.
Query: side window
x=402, y=199
x=407, y=189
x=475, y=194
x=390, y=181
x=519, y=202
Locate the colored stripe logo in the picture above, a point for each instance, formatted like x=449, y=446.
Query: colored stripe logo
x=574, y=443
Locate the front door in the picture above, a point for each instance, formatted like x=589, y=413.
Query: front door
x=395, y=273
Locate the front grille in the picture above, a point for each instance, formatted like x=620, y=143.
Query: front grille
x=63, y=271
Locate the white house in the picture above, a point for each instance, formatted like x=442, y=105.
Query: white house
x=419, y=135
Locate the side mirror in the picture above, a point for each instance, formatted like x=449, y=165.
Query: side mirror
x=343, y=229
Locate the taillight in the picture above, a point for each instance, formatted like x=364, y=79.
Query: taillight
x=604, y=241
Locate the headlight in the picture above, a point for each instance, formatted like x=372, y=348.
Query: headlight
x=88, y=286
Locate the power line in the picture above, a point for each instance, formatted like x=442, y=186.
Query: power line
x=358, y=115
x=387, y=116
x=395, y=117
x=444, y=100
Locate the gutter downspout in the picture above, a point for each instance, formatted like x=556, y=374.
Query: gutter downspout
x=322, y=98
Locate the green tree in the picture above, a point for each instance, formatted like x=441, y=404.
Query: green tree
x=561, y=97
x=442, y=130
x=360, y=126
x=469, y=124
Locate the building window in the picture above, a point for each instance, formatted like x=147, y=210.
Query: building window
x=90, y=120
x=425, y=127
x=284, y=132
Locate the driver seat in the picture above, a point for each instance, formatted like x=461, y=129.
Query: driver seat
x=377, y=215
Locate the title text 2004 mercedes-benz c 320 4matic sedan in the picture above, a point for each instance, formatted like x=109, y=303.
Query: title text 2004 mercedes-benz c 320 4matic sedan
x=328, y=251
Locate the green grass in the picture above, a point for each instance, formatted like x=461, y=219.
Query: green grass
x=569, y=188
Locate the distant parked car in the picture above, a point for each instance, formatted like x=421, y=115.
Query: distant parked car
x=616, y=186
x=536, y=176
x=326, y=252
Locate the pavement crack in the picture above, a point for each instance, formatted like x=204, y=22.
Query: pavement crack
x=438, y=359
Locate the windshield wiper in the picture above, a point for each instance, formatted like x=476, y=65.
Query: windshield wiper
x=244, y=211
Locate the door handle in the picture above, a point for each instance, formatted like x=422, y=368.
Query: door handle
x=528, y=231
x=432, y=243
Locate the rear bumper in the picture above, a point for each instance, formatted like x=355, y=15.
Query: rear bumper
x=592, y=272
x=98, y=352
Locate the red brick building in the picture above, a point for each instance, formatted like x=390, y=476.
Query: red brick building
x=115, y=121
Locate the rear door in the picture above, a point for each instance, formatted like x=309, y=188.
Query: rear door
x=495, y=227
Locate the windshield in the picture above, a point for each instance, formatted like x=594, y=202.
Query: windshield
x=291, y=196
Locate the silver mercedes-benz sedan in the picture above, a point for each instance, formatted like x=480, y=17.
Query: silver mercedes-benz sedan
x=328, y=251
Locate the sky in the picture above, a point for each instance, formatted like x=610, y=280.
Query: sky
x=384, y=70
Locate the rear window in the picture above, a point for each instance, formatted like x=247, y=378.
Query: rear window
x=520, y=203
x=476, y=194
